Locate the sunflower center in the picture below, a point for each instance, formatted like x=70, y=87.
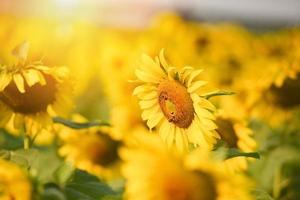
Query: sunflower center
x=288, y=95
x=193, y=186
x=35, y=99
x=226, y=131
x=103, y=151
x=176, y=103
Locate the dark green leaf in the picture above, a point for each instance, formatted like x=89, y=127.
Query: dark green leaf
x=232, y=152
x=77, y=125
x=52, y=192
x=9, y=142
x=88, y=187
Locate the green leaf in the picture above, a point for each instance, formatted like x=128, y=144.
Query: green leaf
x=217, y=93
x=41, y=163
x=9, y=142
x=263, y=170
x=63, y=173
x=77, y=125
x=260, y=194
x=52, y=192
x=4, y=154
x=86, y=186
x=233, y=152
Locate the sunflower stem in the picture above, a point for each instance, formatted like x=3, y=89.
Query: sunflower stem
x=27, y=142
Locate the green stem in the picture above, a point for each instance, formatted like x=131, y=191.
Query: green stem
x=26, y=142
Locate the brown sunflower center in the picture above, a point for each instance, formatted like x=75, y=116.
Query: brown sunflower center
x=196, y=185
x=103, y=151
x=287, y=96
x=35, y=99
x=226, y=131
x=176, y=103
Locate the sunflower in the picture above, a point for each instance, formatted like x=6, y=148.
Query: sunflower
x=153, y=172
x=30, y=93
x=171, y=102
x=90, y=149
x=271, y=80
x=13, y=182
x=235, y=134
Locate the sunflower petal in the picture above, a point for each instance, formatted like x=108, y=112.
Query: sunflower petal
x=19, y=81
x=31, y=76
x=4, y=81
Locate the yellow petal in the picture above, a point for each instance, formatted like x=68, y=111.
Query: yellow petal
x=145, y=104
x=193, y=75
x=171, y=135
x=150, y=66
x=163, y=130
x=207, y=104
x=31, y=76
x=42, y=78
x=180, y=142
x=146, y=77
x=163, y=60
x=203, y=113
x=148, y=95
x=196, y=85
x=18, y=121
x=154, y=120
x=146, y=114
x=21, y=51
x=4, y=81
x=209, y=124
x=185, y=72
x=19, y=81
x=143, y=89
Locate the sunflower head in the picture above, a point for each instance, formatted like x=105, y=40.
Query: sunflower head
x=32, y=99
x=286, y=96
x=90, y=149
x=171, y=100
x=227, y=132
x=33, y=90
x=165, y=175
x=235, y=134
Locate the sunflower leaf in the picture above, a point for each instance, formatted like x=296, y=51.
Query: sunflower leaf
x=217, y=93
x=77, y=125
x=233, y=152
x=86, y=186
x=260, y=194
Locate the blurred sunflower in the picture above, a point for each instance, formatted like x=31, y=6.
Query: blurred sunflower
x=237, y=135
x=13, y=182
x=32, y=92
x=153, y=172
x=271, y=80
x=171, y=101
x=90, y=149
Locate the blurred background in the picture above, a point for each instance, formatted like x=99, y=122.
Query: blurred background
x=135, y=13
x=249, y=47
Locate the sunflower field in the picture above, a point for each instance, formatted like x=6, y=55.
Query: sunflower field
x=177, y=110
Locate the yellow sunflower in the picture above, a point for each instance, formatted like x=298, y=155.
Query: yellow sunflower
x=13, y=182
x=153, y=172
x=235, y=134
x=30, y=93
x=90, y=149
x=171, y=102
